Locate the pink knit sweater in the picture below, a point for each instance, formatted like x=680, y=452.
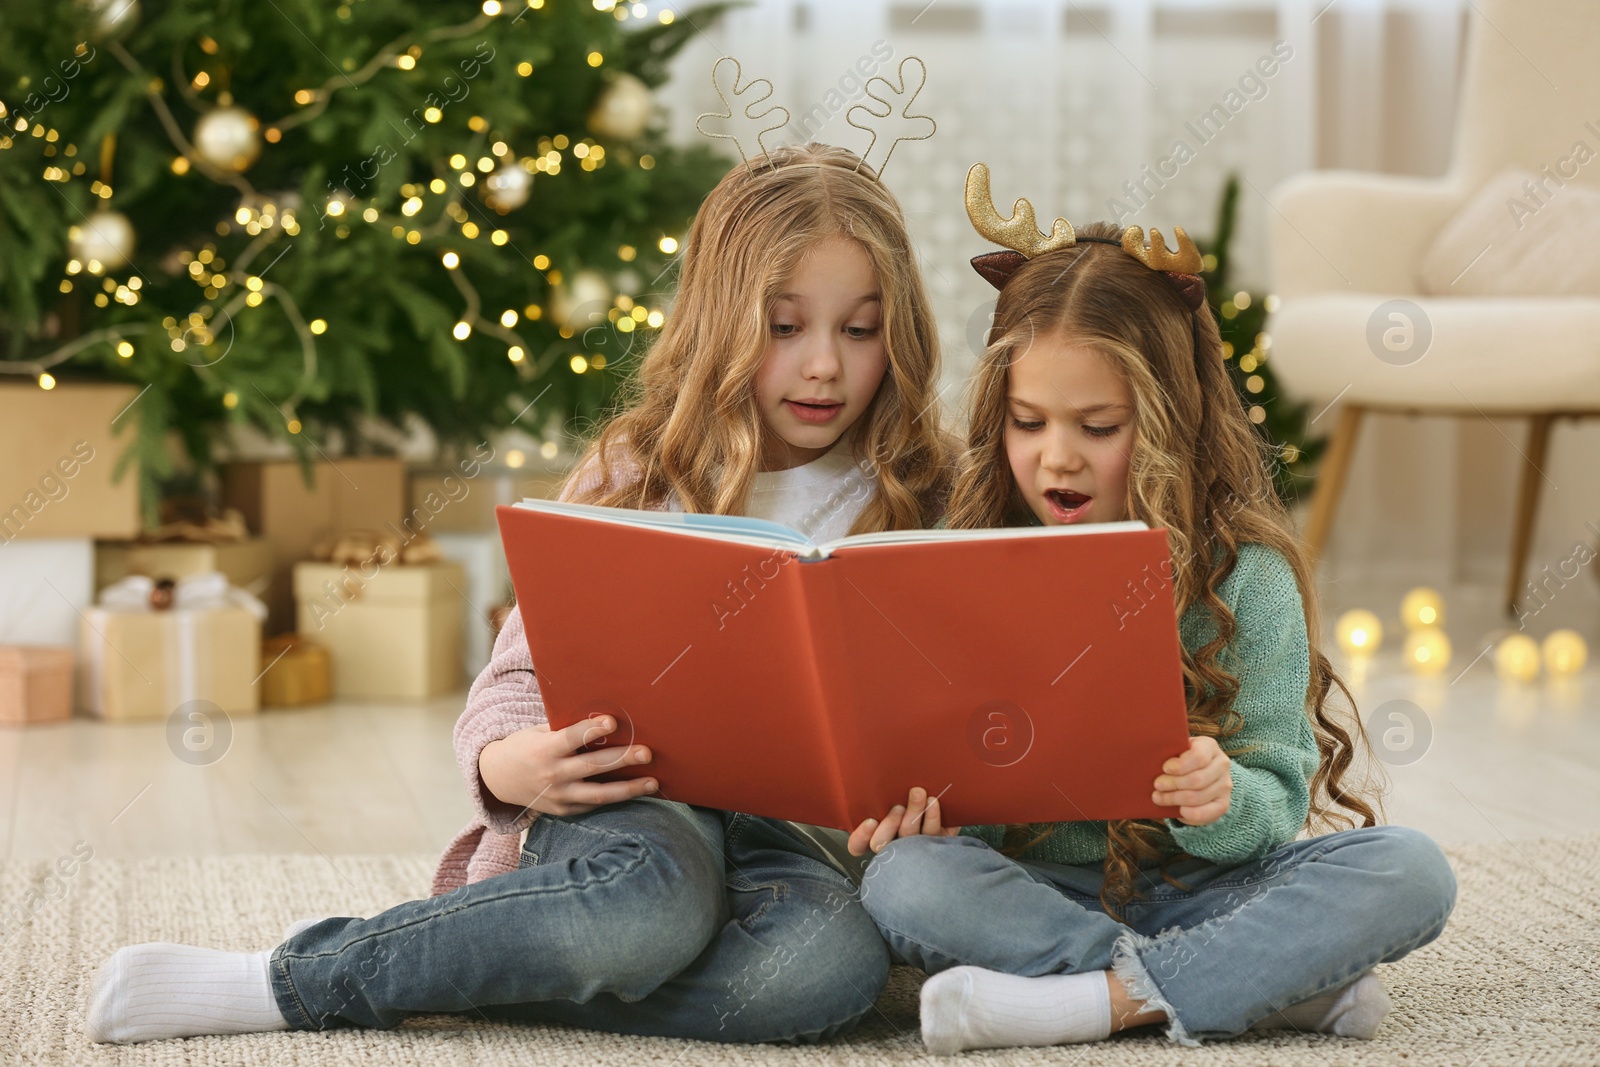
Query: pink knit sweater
x=504, y=699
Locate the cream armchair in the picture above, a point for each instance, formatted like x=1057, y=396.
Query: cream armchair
x=1346, y=243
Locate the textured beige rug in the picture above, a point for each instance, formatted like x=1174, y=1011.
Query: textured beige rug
x=1514, y=980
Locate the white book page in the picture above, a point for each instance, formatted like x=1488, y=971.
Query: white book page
x=742, y=530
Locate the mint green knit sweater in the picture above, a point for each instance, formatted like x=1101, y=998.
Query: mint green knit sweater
x=1271, y=657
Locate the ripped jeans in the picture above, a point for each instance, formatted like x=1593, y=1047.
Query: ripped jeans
x=1233, y=946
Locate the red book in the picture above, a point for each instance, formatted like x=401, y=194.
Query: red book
x=1022, y=675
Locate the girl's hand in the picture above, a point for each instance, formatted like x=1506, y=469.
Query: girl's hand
x=1198, y=783
x=542, y=770
x=918, y=815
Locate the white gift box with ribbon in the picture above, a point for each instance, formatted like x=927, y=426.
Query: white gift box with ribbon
x=142, y=663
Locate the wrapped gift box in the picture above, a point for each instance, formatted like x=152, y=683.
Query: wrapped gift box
x=35, y=685
x=60, y=447
x=393, y=632
x=295, y=672
x=44, y=585
x=147, y=664
x=246, y=564
x=488, y=584
x=292, y=516
x=137, y=662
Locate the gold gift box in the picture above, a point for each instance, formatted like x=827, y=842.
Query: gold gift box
x=147, y=664
x=394, y=632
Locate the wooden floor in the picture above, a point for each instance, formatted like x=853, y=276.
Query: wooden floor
x=1505, y=762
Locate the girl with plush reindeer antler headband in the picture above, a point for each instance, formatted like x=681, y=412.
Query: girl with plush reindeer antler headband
x=793, y=381
x=1102, y=396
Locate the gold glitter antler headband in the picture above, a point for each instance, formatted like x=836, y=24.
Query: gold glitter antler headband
x=725, y=76
x=1020, y=234
x=895, y=123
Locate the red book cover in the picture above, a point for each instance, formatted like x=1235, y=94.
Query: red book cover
x=1022, y=675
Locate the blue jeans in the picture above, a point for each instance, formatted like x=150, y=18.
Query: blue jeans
x=1235, y=945
x=644, y=917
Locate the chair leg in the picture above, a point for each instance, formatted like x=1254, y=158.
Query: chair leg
x=1527, y=505
x=1330, y=479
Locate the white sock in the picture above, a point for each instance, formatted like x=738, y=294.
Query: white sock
x=1354, y=1010
x=299, y=925
x=969, y=1007
x=146, y=992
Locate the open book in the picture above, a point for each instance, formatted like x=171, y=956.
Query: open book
x=1022, y=675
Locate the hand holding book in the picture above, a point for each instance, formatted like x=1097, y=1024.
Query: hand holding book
x=547, y=771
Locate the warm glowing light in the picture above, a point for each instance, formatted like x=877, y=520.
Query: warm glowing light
x=669, y=245
x=450, y=260
x=1427, y=650
x=462, y=331
x=1516, y=658
x=1565, y=653
x=1358, y=632
x=319, y=326
x=1422, y=607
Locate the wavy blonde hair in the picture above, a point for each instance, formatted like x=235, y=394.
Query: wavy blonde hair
x=1196, y=468
x=690, y=422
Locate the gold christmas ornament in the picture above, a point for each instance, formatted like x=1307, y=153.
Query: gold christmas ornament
x=1565, y=653
x=1516, y=658
x=1427, y=650
x=622, y=111
x=508, y=187
x=110, y=19
x=1358, y=632
x=1422, y=607
x=104, y=238
x=583, y=302
x=228, y=138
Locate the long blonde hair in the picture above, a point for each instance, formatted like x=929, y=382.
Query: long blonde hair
x=1197, y=468
x=690, y=422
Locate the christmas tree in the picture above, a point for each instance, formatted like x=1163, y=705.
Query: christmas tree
x=306, y=217
x=1246, y=344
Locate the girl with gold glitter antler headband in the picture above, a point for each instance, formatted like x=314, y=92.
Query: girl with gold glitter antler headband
x=1102, y=396
x=792, y=381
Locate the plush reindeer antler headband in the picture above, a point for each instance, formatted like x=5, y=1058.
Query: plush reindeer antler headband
x=1023, y=241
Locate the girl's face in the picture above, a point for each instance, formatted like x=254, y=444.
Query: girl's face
x=1069, y=432
x=825, y=354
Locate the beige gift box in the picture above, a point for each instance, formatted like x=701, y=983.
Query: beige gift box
x=394, y=632
x=147, y=664
x=60, y=447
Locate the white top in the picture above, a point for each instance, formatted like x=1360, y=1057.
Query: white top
x=820, y=499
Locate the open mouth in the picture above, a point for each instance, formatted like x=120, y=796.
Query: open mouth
x=1067, y=505
x=815, y=410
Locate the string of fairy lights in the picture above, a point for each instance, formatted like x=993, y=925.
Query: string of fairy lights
x=227, y=141
x=1426, y=649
